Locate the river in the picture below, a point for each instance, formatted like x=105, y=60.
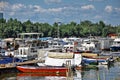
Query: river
x=102, y=73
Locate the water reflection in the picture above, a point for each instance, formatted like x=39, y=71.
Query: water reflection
x=8, y=76
x=40, y=76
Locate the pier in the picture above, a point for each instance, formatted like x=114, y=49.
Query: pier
x=13, y=65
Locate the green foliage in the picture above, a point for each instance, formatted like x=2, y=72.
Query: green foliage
x=86, y=28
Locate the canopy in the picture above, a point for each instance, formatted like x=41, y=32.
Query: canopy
x=60, y=55
x=8, y=39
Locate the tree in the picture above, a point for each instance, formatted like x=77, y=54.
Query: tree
x=12, y=27
x=28, y=26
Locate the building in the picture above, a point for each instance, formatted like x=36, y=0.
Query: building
x=1, y=15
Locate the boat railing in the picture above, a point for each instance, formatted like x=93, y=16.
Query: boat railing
x=69, y=73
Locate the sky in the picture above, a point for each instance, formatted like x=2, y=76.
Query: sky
x=64, y=11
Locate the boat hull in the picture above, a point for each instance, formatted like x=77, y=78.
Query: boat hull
x=42, y=69
x=115, y=48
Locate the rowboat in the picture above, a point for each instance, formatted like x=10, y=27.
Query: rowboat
x=42, y=69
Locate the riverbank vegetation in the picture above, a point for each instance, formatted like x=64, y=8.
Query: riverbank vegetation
x=11, y=27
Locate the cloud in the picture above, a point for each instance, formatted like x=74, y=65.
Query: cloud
x=17, y=7
x=12, y=13
x=87, y=7
x=98, y=17
x=38, y=8
x=52, y=1
x=108, y=9
x=55, y=9
x=7, y=7
x=96, y=0
x=3, y=5
x=117, y=9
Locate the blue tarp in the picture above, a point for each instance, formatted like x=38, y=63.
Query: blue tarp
x=45, y=38
x=9, y=60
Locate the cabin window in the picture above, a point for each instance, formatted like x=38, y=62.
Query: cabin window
x=54, y=43
x=21, y=51
x=58, y=43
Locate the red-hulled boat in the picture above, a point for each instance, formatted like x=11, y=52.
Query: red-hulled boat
x=43, y=69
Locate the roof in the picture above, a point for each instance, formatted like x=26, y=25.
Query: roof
x=30, y=33
x=113, y=35
x=8, y=39
x=11, y=39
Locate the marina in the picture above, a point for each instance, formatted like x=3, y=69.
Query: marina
x=69, y=59
x=59, y=40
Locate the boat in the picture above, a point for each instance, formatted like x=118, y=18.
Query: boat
x=90, y=55
x=87, y=61
x=95, y=61
x=42, y=69
x=62, y=59
x=48, y=76
x=116, y=45
x=69, y=46
x=7, y=62
x=25, y=53
x=89, y=45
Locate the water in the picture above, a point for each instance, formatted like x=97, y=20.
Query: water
x=102, y=73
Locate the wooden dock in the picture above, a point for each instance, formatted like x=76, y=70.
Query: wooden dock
x=13, y=65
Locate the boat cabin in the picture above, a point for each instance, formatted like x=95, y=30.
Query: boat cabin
x=25, y=53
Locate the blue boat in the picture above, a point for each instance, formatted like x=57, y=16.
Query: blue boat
x=94, y=61
x=88, y=61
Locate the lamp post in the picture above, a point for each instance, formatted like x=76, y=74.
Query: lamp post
x=58, y=31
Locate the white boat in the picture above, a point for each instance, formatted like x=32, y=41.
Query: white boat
x=69, y=47
x=89, y=45
x=60, y=59
x=116, y=45
x=24, y=53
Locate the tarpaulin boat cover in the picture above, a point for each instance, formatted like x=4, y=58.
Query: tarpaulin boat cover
x=61, y=55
